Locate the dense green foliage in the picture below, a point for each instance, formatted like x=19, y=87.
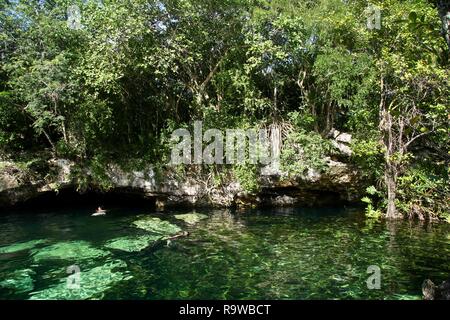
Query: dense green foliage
x=117, y=85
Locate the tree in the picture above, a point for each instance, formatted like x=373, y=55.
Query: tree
x=412, y=86
x=133, y=71
x=444, y=13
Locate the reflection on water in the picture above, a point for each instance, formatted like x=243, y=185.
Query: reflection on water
x=256, y=254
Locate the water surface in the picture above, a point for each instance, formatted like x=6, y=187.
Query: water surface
x=264, y=254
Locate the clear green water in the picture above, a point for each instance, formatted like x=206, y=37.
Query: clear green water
x=272, y=254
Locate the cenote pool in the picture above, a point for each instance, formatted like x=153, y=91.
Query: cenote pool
x=263, y=254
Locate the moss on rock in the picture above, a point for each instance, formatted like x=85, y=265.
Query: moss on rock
x=73, y=250
x=157, y=226
x=132, y=244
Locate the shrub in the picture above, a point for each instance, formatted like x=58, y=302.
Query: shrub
x=303, y=150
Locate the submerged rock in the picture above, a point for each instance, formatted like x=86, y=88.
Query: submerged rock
x=133, y=244
x=157, y=226
x=92, y=284
x=20, y=281
x=73, y=250
x=191, y=218
x=21, y=246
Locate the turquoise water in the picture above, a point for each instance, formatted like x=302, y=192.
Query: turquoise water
x=266, y=254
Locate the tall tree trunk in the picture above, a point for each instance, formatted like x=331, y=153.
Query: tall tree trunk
x=391, y=185
x=390, y=167
x=444, y=13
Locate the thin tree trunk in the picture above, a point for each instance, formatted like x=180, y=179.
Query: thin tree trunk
x=390, y=169
x=63, y=127
x=329, y=118
x=391, y=184
x=444, y=13
x=306, y=95
x=49, y=140
x=275, y=100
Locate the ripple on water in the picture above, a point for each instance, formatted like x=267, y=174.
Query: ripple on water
x=297, y=254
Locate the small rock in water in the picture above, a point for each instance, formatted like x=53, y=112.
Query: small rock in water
x=433, y=292
x=191, y=218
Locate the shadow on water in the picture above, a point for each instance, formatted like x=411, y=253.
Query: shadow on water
x=69, y=199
